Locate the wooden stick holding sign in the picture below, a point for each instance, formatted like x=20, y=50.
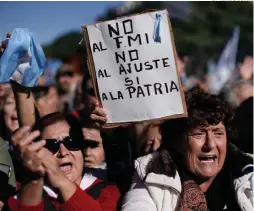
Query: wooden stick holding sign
x=132, y=64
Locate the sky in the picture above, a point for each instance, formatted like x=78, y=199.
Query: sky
x=48, y=20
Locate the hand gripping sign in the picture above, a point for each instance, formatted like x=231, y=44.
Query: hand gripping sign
x=133, y=67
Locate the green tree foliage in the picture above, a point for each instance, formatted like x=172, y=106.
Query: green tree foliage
x=112, y=13
x=64, y=46
x=211, y=25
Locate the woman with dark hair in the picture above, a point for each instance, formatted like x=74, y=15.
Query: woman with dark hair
x=8, y=115
x=49, y=150
x=53, y=161
x=197, y=168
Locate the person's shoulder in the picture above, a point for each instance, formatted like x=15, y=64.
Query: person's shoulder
x=141, y=164
x=104, y=184
x=159, y=162
x=2, y=143
x=240, y=161
x=165, y=175
x=101, y=189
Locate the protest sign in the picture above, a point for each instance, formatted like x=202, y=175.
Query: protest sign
x=132, y=64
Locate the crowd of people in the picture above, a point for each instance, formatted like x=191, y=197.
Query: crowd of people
x=55, y=153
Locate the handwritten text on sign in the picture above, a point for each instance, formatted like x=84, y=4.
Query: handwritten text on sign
x=136, y=74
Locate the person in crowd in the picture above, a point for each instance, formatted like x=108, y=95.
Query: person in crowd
x=197, y=168
x=26, y=114
x=78, y=97
x=89, y=92
x=85, y=95
x=54, y=168
x=3, y=88
x=7, y=176
x=144, y=138
x=9, y=118
x=66, y=87
x=46, y=99
x=127, y=143
x=237, y=92
x=150, y=140
x=246, y=68
x=243, y=90
x=244, y=124
x=94, y=153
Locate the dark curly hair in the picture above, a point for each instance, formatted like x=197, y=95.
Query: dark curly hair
x=203, y=109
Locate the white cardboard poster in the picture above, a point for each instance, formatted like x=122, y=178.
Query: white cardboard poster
x=135, y=71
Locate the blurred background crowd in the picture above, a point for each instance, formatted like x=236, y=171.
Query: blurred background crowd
x=214, y=43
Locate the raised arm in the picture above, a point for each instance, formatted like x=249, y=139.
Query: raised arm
x=23, y=97
x=25, y=104
x=27, y=150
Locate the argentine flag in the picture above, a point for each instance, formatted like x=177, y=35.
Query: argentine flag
x=23, y=59
x=220, y=73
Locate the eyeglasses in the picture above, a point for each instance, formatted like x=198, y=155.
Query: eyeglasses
x=53, y=145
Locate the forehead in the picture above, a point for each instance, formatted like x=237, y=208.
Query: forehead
x=56, y=130
x=92, y=134
x=65, y=76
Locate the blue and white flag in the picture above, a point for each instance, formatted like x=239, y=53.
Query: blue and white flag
x=220, y=74
x=23, y=59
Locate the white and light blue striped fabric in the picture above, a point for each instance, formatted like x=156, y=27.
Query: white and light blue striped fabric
x=23, y=59
x=219, y=74
x=157, y=28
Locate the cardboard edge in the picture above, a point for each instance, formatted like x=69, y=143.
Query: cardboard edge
x=90, y=64
x=185, y=114
x=126, y=16
x=92, y=71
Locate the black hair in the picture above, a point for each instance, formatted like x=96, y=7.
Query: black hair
x=65, y=73
x=75, y=127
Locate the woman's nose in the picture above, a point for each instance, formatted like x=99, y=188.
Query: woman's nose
x=63, y=151
x=210, y=141
x=87, y=151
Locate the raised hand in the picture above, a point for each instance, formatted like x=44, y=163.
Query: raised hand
x=54, y=174
x=55, y=177
x=98, y=115
x=30, y=153
x=246, y=68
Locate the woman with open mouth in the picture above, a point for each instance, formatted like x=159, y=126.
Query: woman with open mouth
x=8, y=115
x=196, y=168
x=53, y=169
